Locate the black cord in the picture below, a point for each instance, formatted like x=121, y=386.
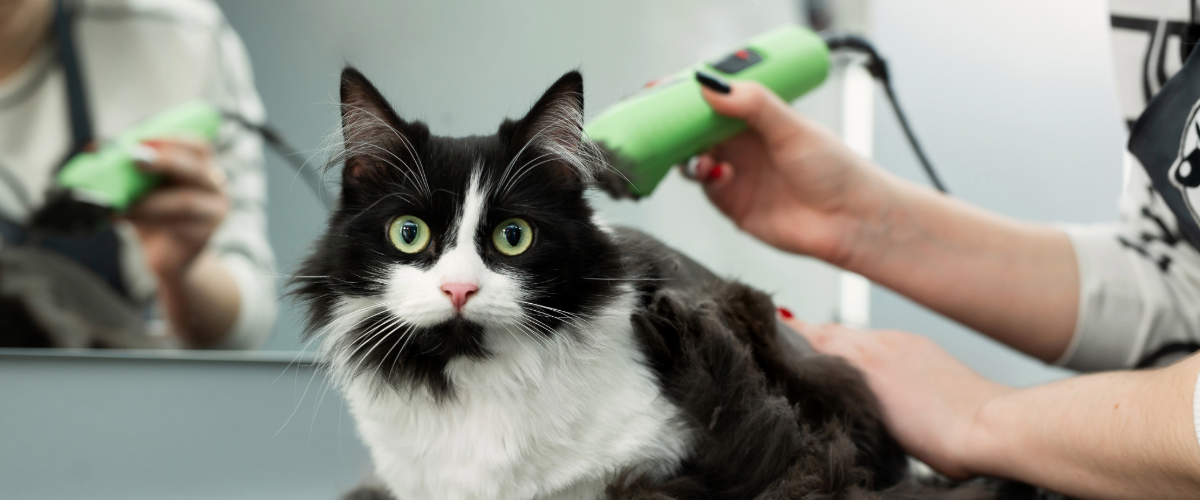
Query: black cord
x=1191, y=36
x=289, y=154
x=879, y=69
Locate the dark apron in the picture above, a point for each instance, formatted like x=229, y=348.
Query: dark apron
x=98, y=251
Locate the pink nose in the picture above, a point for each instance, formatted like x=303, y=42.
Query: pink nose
x=459, y=293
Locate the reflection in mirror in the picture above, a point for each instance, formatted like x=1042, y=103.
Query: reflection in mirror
x=51, y=301
x=143, y=227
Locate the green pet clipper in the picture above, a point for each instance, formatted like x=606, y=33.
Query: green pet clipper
x=93, y=185
x=668, y=122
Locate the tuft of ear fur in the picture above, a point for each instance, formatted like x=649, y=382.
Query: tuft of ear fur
x=554, y=127
x=555, y=122
x=371, y=131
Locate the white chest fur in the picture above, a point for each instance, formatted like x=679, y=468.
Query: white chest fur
x=554, y=420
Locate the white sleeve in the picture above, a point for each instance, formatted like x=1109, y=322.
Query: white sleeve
x=241, y=241
x=1139, y=282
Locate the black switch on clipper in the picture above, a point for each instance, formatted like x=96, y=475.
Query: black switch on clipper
x=737, y=61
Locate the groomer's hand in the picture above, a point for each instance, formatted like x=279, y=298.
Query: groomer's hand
x=786, y=180
x=175, y=221
x=931, y=401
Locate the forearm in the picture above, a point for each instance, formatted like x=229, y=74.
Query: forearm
x=795, y=186
x=1014, y=281
x=202, y=304
x=1108, y=435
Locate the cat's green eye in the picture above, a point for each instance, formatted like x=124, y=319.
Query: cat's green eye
x=512, y=237
x=408, y=233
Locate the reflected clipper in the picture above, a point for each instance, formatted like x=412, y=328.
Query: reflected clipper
x=93, y=185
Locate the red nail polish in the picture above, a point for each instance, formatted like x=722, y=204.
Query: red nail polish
x=717, y=172
x=785, y=313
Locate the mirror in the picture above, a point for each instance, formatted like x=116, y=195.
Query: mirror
x=461, y=67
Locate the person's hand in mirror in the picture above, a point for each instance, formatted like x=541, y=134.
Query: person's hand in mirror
x=174, y=223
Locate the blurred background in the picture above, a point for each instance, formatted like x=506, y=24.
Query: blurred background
x=1014, y=101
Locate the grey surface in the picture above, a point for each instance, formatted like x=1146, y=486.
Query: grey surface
x=1016, y=103
x=137, y=425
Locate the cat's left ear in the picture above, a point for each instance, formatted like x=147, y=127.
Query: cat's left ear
x=555, y=126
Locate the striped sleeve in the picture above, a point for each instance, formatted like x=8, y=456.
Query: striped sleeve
x=241, y=241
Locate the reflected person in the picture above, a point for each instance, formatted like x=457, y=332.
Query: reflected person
x=188, y=265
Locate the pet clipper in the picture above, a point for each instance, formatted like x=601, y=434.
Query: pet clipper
x=95, y=184
x=668, y=121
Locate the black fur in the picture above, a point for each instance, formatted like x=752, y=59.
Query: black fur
x=773, y=420
x=759, y=405
x=19, y=328
x=770, y=421
x=369, y=490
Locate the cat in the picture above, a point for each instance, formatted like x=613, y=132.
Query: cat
x=493, y=340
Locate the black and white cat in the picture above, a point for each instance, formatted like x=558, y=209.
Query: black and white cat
x=495, y=341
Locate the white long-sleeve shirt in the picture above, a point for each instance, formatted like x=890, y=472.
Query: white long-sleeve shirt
x=139, y=57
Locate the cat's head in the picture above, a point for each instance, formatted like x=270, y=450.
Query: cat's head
x=449, y=249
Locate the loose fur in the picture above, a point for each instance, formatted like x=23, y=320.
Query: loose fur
x=596, y=363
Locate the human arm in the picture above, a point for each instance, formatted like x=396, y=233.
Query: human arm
x=241, y=242
x=174, y=223
x=204, y=242
x=235, y=267
x=201, y=304
x=796, y=186
x=1125, y=434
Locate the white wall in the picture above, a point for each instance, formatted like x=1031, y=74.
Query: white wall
x=1016, y=103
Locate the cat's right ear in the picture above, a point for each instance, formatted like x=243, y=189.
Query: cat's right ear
x=371, y=130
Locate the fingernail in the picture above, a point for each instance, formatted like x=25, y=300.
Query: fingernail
x=689, y=169
x=717, y=172
x=713, y=82
x=143, y=153
x=785, y=313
